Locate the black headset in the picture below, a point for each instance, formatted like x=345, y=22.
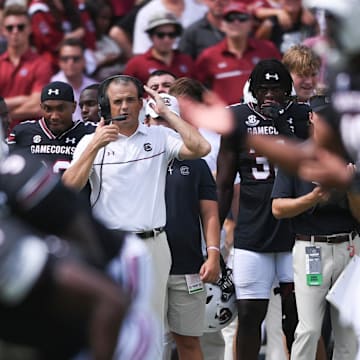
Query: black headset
x=103, y=100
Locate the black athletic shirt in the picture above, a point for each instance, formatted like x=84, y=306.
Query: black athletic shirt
x=187, y=183
x=257, y=229
x=327, y=218
x=37, y=139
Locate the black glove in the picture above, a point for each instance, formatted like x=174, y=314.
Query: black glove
x=276, y=113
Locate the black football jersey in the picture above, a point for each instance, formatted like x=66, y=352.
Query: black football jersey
x=257, y=229
x=37, y=139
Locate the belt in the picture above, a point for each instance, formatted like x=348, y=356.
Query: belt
x=330, y=239
x=150, y=233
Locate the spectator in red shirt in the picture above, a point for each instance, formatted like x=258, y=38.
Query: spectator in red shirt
x=163, y=28
x=88, y=24
x=23, y=72
x=122, y=8
x=226, y=66
x=53, y=21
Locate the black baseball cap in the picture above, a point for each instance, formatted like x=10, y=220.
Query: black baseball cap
x=57, y=90
x=319, y=102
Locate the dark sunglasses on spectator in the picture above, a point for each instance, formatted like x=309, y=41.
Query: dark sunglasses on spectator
x=20, y=27
x=231, y=17
x=161, y=35
x=66, y=58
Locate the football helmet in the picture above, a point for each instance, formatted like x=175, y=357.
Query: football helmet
x=270, y=72
x=221, y=307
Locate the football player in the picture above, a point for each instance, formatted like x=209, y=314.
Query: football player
x=52, y=138
x=88, y=103
x=260, y=241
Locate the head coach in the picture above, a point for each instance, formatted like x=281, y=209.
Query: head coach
x=126, y=163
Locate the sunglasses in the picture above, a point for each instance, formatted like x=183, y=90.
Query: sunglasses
x=161, y=35
x=241, y=17
x=20, y=27
x=74, y=58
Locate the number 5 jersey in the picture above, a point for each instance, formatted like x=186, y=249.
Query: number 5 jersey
x=257, y=229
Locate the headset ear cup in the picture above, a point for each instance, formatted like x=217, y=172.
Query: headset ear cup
x=99, y=111
x=103, y=103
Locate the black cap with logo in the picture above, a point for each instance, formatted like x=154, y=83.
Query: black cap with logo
x=57, y=90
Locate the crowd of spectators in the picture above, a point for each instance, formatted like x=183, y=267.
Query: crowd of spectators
x=224, y=47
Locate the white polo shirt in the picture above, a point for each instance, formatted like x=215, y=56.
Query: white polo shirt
x=128, y=178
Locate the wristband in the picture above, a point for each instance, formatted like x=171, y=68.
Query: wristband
x=213, y=248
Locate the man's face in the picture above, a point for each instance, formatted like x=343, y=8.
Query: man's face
x=103, y=19
x=58, y=115
x=88, y=103
x=124, y=100
x=71, y=61
x=237, y=25
x=161, y=83
x=16, y=29
x=163, y=38
x=304, y=85
x=268, y=94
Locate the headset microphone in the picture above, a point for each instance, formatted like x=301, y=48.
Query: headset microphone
x=119, y=118
x=109, y=120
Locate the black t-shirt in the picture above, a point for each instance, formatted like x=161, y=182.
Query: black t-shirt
x=199, y=36
x=257, y=229
x=187, y=183
x=38, y=140
x=327, y=218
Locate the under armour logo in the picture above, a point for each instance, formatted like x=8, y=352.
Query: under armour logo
x=53, y=92
x=68, y=140
x=269, y=76
x=147, y=147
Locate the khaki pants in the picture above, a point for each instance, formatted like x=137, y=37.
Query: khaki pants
x=311, y=302
x=213, y=345
x=275, y=345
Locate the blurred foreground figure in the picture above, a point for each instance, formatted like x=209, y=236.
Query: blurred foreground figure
x=67, y=303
